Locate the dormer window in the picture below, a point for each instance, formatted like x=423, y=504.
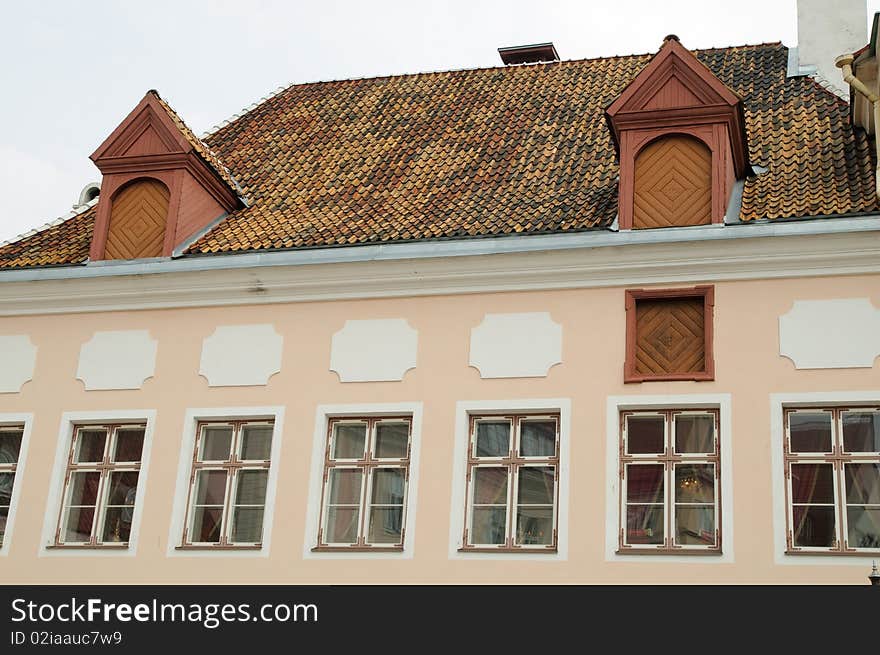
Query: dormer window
x=138, y=216
x=680, y=136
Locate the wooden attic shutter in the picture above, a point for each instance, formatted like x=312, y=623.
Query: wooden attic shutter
x=137, y=221
x=673, y=183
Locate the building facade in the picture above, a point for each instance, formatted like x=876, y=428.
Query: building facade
x=598, y=321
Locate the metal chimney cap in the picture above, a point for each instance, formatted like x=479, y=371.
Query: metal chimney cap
x=528, y=54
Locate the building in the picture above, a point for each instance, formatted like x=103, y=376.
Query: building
x=598, y=321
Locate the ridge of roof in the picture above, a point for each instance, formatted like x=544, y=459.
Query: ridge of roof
x=285, y=87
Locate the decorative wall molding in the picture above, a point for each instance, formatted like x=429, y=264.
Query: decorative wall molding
x=525, y=345
x=842, y=246
x=19, y=356
x=241, y=355
x=839, y=333
x=379, y=350
x=121, y=359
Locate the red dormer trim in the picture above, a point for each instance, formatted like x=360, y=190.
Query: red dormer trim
x=148, y=144
x=676, y=94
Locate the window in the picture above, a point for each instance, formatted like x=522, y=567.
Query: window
x=670, y=481
x=366, y=473
x=832, y=474
x=669, y=334
x=512, y=483
x=10, y=446
x=227, y=494
x=100, y=485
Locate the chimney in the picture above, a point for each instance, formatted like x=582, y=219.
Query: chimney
x=826, y=30
x=528, y=54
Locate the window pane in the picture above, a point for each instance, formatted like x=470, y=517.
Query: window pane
x=117, y=525
x=694, y=483
x=216, y=442
x=251, y=487
x=129, y=445
x=83, y=488
x=813, y=526
x=536, y=485
x=488, y=525
x=342, y=524
x=6, y=482
x=812, y=483
x=256, y=442
x=90, y=446
x=493, y=439
x=534, y=525
x=349, y=440
x=388, y=486
x=247, y=525
x=695, y=525
x=861, y=432
x=123, y=486
x=695, y=434
x=10, y=445
x=206, y=524
x=386, y=524
x=490, y=485
x=863, y=483
x=391, y=440
x=644, y=483
x=810, y=432
x=345, y=486
x=79, y=524
x=537, y=439
x=644, y=434
x=863, y=527
x=644, y=525
x=210, y=488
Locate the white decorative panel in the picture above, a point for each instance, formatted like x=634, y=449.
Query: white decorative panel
x=374, y=350
x=831, y=333
x=241, y=355
x=516, y=345
x=121, y=359
x=17, y=358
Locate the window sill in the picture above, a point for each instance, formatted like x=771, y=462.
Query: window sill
x=540, y=550
x=703, y=376
x=357, y=549
x=123, y=546
x=713, y=552
x=224, y=547
x=833, y=553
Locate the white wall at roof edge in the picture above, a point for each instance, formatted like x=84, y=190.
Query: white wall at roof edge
x=18, y=356
x=241, y=355
x=839, y=333
x=516, y=345
x=374, y=350
x=117, y=359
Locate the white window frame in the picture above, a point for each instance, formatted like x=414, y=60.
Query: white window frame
x=314, y=515
x=69, y=422
x=11, y=420
x=681, y=402
x=464, y=410
x=192, y=419
x=779, y=402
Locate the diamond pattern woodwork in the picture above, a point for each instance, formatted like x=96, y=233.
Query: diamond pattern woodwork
x=673, y=184
x=670, y=336
x=137, y=221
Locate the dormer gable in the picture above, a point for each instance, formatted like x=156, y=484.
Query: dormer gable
x=681, y=143
x=161, y=185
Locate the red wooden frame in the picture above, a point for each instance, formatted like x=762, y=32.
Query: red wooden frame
x=707, y=293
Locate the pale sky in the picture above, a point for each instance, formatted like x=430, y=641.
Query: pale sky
x=71, y=71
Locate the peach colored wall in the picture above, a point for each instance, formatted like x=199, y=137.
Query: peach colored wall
x=748, y=367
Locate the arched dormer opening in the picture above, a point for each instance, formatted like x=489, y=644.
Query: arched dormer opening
x=672, y=183
x=138, y=218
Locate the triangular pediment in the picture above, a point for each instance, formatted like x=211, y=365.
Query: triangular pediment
x=674, y=79
x=147, y=130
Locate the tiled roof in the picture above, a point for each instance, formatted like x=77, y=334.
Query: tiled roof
x=494, y=151
x=199, y=146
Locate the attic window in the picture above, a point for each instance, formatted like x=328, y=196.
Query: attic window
x=528, y=54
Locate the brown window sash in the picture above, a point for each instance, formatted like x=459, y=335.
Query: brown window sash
x=632, y=297
x=10, y=467
x=514, y=462
x=837, y=458
x=366, y=465
x=669, y=458
x=105, y=468
x=231, y=467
